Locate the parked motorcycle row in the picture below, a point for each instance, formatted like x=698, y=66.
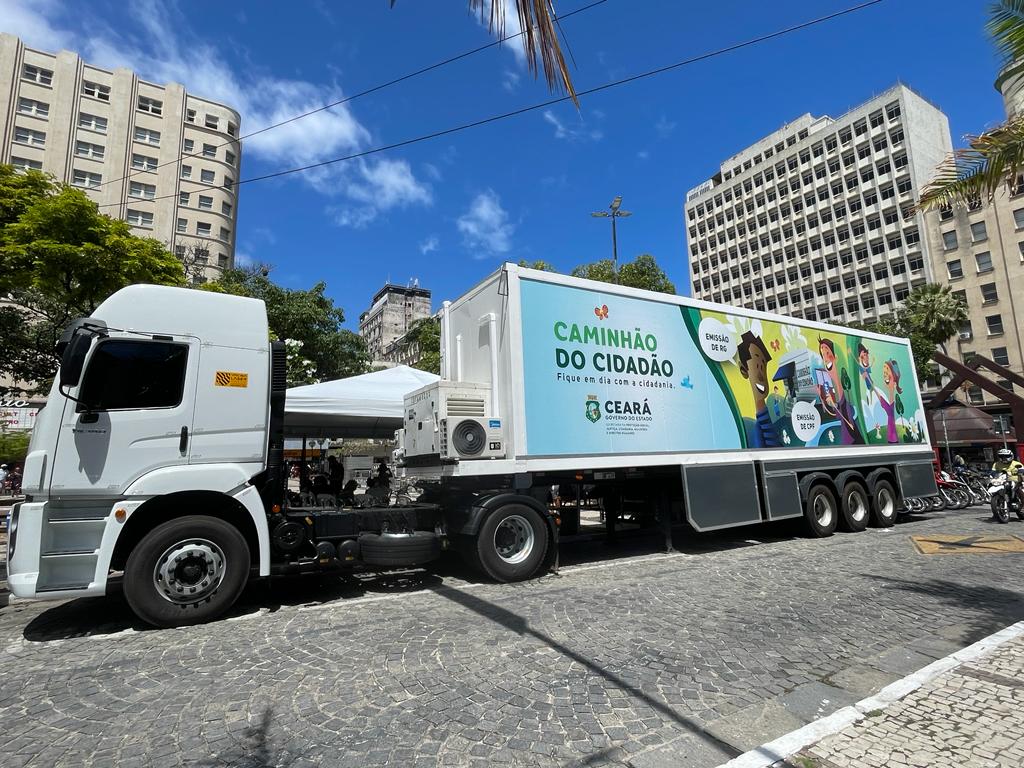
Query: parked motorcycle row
x=1002, y=493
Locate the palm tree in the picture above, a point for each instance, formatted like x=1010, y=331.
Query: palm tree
x=977, y=171
x=537, y=21
x=936, y=312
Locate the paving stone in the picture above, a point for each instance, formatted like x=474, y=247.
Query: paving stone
x=815, y=700
x=754, y=725
x=862, y=680
x=900, y=661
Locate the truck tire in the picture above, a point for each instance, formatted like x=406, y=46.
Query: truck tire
x=511, y=543
x=855, y=507
x=186, y=571
x=398, y=550
x=883, y=504
x=820, y=511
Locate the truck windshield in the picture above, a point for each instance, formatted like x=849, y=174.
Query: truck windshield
x=135, y=374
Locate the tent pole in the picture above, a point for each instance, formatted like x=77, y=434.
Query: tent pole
x=303, y=474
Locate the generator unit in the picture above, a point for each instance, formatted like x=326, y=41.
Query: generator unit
x=450, y=420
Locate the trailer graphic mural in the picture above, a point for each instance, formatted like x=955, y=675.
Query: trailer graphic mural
x=610, y=374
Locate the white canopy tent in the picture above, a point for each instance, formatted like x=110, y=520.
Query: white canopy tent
x=367, y=406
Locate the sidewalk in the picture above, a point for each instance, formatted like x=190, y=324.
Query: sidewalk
x=972, y=715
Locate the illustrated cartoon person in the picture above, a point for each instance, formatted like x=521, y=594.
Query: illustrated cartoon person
x=754, y=358
x=888, y=397
x=833, y=395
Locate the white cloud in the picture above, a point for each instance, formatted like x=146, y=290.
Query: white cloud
x=164, y=49
x=512, y=26
x=430, y=244
x=570, y=132
x=243, y=260
x=510, y=80
x=664, y=127
x=485, y=225
x=643, y=154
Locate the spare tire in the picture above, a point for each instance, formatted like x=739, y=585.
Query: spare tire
x=399, y=549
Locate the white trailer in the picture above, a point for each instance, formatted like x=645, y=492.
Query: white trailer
x=158, y=458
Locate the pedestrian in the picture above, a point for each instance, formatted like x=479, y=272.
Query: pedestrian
x=3, y=476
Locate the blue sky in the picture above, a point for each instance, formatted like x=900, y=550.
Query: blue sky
x=449, y=211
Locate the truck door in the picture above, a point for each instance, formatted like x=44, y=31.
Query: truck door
x=137, y=398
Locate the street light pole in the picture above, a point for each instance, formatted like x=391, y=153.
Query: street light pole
x=614, y=212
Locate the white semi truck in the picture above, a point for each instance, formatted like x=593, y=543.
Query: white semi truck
x=158, y=457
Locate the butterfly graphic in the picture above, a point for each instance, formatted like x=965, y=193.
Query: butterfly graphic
x=775, y=344
x=601, y=312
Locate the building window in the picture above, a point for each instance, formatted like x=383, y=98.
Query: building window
x=186, y=171
x=955, y=269
x=206, y=176
x=96, y=90
x=978, y=232
x=1000, y=355
x=229, y=182
x=945, y=213
x=183, y=198
x=190, y=146
x=989, y=294
x=209, y=150
x=182, y=225
x=949, y=241
x=86, y=179
x=37, y=74
x=975, y=394
x=203, y=229
x=984, y=261
x=147, y=136
x=152, y=106
x=225, y=234
x=92, y=122
x=233, y=129
x=28, y=136
x=225, y=208
x=143, y=162
x=139, y=218
x=33, y=107
x=190, y=115
x=212, y=122
x=229, y=157
x=205, y=203
x=24, y=164
x=145, y=191
x=995, y=325
x=85, y=149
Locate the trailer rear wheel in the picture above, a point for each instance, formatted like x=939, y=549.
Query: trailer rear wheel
x=511, y=543
x=820, y=511
x=855, y=507
x=186, y=571
x=883, y=504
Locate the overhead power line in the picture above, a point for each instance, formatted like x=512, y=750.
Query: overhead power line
x=366, y=92
x=549, y=102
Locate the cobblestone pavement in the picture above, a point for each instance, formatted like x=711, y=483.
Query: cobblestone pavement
x=970, y=716
x=685, y=659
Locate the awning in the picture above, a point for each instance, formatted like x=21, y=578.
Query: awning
x=366, y=406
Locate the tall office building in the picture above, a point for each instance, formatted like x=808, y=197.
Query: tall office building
x=979, y=252
x=812, y=220
x=394, y=311
x=119, y=139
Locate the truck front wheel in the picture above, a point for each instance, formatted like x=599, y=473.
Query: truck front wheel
x=512, y=543
x=186, y=571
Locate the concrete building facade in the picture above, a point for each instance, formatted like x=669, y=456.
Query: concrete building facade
x=160, y=158
x=814, y=219
x=394, y=310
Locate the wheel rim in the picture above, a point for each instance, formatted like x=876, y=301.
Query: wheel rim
x=189, y=571
x=822, y=511
x=858, y=509
x=886, y=503
x=513, y=539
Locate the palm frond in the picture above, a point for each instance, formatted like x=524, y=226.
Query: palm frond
x=977, y=171
x=1006, y=28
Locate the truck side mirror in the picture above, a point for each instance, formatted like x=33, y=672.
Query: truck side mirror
x=74, y=346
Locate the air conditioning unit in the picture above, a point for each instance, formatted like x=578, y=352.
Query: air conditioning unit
x=966, y=335
x=450, y=421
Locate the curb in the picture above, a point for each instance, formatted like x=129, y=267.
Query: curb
x=785, y=746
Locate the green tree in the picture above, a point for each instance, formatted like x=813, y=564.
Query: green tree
x=305, y=316
x=59, y=258
x=427, y=334
x=929, y=316
x=643, y=272
x=539, y=264
x=977, y=171
x=13, y=446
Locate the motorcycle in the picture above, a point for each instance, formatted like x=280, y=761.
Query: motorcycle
x=1006, y=495
x=956, y=493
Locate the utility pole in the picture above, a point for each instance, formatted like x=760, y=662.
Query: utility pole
x=614, y=212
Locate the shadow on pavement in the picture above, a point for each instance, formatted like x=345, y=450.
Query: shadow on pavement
x=516, y=623
x=256, y=752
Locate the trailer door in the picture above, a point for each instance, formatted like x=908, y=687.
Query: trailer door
x=137, y=398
